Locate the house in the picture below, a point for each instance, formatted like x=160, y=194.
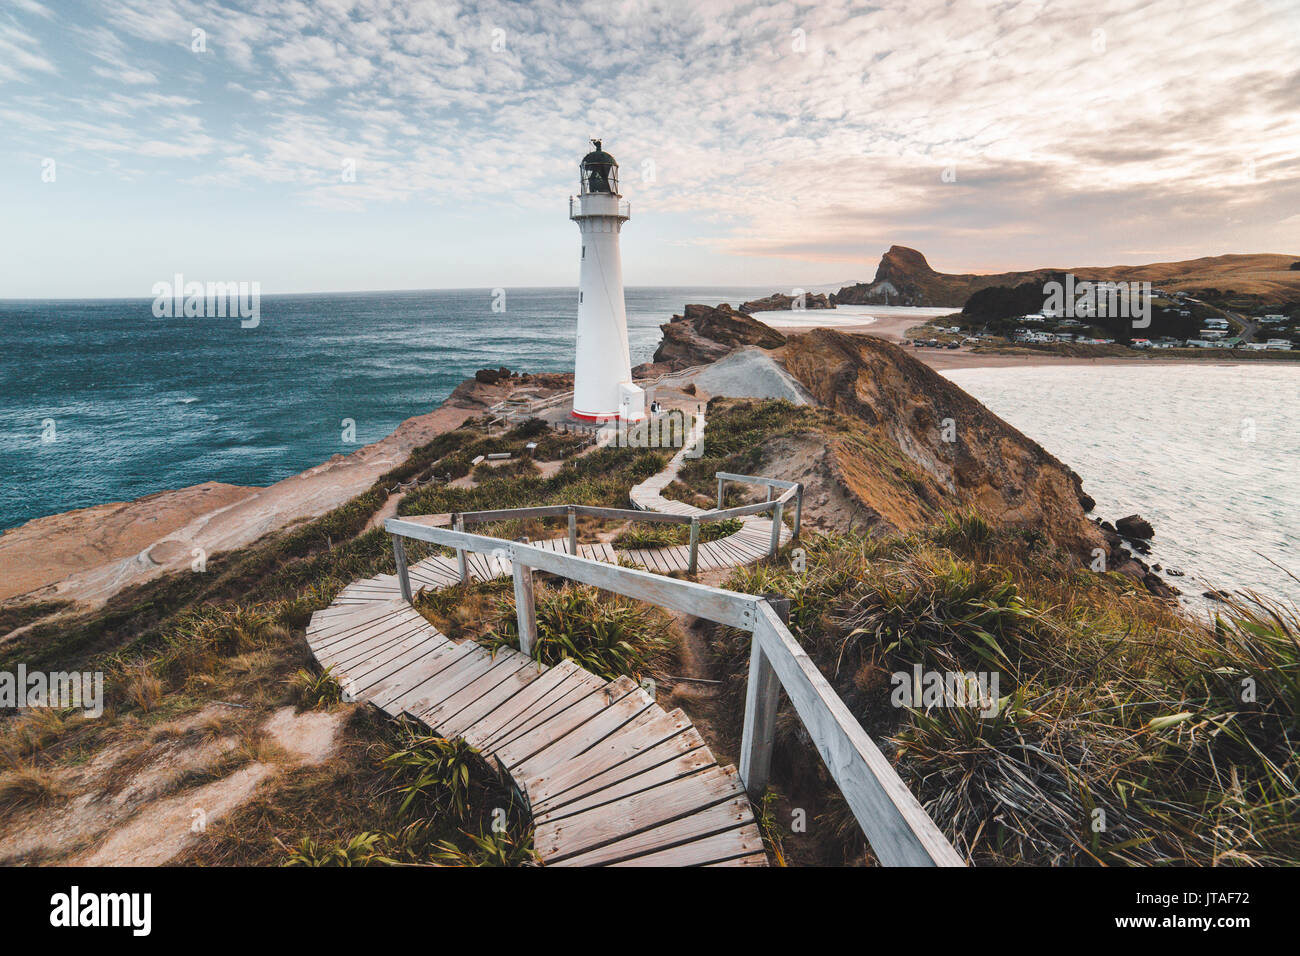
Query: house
x=1278, y=345
x=1213, y=333
x=1273, y=319
x=1140, y=344
x=1253, y=346
x=1216, y=323
x=1199, y=344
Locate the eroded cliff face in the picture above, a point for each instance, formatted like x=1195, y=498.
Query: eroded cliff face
x=703, y=334
x=972, y=456
x=779, y=302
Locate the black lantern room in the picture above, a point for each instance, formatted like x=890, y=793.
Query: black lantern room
x=599, y=171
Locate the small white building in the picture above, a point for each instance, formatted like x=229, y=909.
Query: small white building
x=1278, y=345
x=1273, y=319
x=1216, y=323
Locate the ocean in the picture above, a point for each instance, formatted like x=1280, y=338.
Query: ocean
x=100, y=401
x=1209, y=454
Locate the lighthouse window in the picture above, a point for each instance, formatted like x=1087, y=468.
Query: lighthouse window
x=584, y=252
x=579, y=296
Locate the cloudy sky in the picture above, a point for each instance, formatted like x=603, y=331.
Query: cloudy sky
x=382, y=144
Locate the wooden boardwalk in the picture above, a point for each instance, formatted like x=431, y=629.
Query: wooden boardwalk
x=609, y=776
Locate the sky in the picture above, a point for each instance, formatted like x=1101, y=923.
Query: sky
x=376, y=144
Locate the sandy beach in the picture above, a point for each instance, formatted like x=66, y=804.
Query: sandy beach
x=893, y=327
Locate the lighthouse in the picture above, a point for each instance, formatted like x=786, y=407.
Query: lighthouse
x=602, y=374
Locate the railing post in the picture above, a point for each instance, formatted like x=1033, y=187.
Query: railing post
x=776, y=529
x=720, y=483
x=762, y=695
x=573, y=531
x=769, y=492
x=403, y=578
x=461, y=564
x=525, y=611
x=695, y=545
x=798, y=509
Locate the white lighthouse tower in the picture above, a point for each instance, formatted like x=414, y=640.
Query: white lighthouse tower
x=602, y=377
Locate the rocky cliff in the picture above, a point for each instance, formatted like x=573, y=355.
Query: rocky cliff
x=779, y=302
x=703, y=334
x=904, y=277
x=969, y=456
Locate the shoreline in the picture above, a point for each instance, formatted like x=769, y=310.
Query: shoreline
x=892, y=328
x=87, y=555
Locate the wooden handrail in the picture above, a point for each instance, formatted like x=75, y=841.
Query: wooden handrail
x=896, y=825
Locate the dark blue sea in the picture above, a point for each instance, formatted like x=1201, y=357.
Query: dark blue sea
x=100, y=401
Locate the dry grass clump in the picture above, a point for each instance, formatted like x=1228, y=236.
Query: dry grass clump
x=28, y=787
x=1125, y=732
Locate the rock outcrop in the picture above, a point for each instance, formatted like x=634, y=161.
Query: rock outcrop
x=779, y=302
x=704, y=334
x=1135, y=526
x=972, y=456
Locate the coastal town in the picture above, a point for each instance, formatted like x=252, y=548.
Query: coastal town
x=1203, y=326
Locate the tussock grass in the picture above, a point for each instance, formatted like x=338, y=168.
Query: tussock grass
x=606, y=634
x=1126, y=733
x=27, y=787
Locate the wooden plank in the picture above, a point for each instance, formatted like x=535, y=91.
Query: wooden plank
x=327, y=646
x=743, y=843
x=579, y=686
x=356, y=655
x=565, y=747
x=446, y=711
x=388, y=690
x=681, y=765
x=548, y=686
x=612, y=759
x=366, y=673
x=622, y=819
x=455, y=678
x=562, y=723
x=757, y=859
x=504, y=702
x=896, y=826
x=372, y=680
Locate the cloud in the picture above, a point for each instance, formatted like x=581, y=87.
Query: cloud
x=792, y=130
